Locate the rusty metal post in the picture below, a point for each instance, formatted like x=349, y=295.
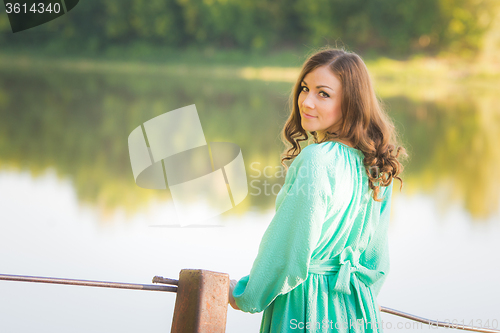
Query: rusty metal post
x=201, y=303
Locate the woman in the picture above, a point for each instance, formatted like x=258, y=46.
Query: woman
x=324, y=257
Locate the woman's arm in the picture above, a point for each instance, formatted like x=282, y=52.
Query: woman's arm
x=376, y=255
x=287, y=245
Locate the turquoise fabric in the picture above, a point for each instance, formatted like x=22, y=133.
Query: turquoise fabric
x=324, y=257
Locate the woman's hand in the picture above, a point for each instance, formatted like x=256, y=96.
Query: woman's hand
x=232, y=284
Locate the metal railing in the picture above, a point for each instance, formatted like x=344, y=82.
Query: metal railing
x=436, y=323
x=89, y=283
x=200, y=305
x=202, y=299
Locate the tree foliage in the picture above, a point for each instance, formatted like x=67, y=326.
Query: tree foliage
x=382, y=26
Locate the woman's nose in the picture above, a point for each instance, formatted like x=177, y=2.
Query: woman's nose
x=308, y=102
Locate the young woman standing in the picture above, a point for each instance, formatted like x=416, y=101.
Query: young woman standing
x=324, y=257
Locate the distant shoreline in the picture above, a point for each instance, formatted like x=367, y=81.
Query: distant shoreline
x=382, y=68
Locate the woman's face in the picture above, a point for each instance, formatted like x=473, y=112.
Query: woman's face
x=319, y=101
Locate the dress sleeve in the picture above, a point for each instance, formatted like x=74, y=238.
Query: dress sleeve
x=378, y=250
x=285, y=250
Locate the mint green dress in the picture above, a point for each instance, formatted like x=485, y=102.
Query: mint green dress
x=324, y=257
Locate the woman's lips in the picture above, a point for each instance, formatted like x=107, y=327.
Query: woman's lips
x=308, y=115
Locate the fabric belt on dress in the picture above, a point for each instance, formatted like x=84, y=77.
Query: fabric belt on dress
x=349, y=271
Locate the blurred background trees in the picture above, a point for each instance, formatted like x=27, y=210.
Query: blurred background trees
x=399, y=28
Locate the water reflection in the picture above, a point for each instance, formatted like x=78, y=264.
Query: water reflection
x=78, y=125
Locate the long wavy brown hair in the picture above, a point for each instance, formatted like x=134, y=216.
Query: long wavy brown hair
x=364, y=122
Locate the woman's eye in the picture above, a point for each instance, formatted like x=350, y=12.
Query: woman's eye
x=321, y=92
x=304, y=88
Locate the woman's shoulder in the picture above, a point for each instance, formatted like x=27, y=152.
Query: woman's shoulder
x=318, y=157
x=311, y=154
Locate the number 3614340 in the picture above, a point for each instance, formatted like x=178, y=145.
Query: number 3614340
x=40, y=8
